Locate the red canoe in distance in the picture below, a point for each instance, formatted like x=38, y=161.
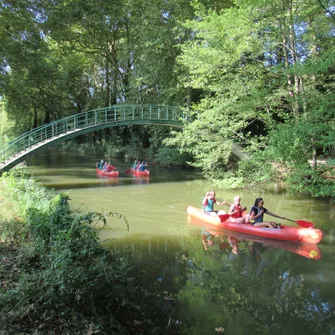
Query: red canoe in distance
x=145, y=173
x=307, y=250
x=107, y=174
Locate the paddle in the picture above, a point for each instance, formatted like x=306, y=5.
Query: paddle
x=301, y=223
x=224, y=217
x=233, y=214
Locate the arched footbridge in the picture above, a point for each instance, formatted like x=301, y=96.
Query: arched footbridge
x=114, y=116
x=61, y=130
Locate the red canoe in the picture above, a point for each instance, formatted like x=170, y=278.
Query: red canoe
x=107, y=174
x=286, y=233
x=145, y=173
x=307, y=250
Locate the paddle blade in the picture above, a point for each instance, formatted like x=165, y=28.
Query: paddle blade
x=127, y=171
x=305, y=224
x=236, y=215
x=224, y=217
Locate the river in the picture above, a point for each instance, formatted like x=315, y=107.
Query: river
x=244, y=285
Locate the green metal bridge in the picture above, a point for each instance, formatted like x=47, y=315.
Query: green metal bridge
x=58, y=131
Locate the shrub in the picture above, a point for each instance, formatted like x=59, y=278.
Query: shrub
x=55, y=276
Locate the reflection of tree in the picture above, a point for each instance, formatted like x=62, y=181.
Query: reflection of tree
x=270, y=295
x=276, y=292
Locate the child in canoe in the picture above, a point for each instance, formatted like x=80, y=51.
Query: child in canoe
x=236, y=212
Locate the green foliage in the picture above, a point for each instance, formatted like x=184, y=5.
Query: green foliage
x=171, y=157
x=5, y=124
x=296, y=145
x=255, y=69
x=248, y=73
x=59, y=278
x=318, y=182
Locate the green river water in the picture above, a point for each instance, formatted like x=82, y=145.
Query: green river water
x=244, y=285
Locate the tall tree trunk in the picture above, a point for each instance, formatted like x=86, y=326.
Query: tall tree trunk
x=46, y=117
x=287, y=65
x=115, y=81
x=314, y=155
x=35, y=120
x=294, y=58
x=126, y=77
x=114, y=62
x=107, y=82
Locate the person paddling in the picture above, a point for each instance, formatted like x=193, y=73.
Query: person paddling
x=142, y=166
x=100, y=164
x=134, y=166
x=208, y=203
x=257, y=212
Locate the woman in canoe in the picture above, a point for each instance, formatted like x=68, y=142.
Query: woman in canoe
x=257, y=212
x=208, y=203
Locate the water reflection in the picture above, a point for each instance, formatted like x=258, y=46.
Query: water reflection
x=253, y=290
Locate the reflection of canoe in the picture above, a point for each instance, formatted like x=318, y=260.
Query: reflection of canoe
x=145, y=173
x=287, y=233
x=107, y=174
x=307, y=250
x=141, y=180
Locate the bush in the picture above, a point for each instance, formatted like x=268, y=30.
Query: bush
x=55, y=276
x=255, y=170
x=171, y=156
x=313, y=181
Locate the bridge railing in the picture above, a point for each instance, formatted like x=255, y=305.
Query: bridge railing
x=92, y=118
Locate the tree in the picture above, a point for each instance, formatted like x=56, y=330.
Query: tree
x=258, y=64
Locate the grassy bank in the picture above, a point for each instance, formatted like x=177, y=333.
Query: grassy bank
x=55, y=277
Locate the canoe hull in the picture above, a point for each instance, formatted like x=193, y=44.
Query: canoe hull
x=107, y=174
x=145, y=173
x=287, y=233
x=307, y=250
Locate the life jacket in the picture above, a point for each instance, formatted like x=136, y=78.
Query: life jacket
x=210, y=205
x=238, y=211
x=257, y=210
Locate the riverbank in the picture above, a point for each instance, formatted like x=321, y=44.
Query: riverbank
x=55, y=277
